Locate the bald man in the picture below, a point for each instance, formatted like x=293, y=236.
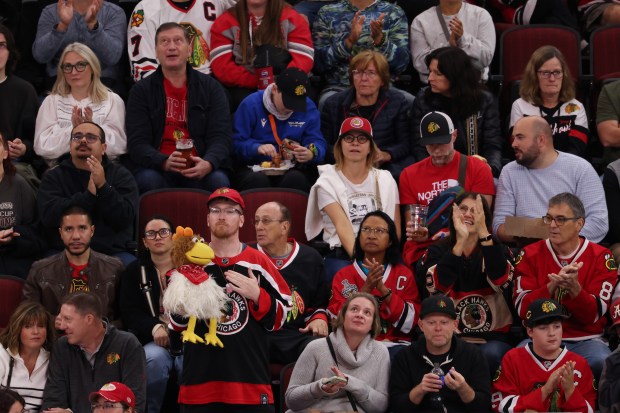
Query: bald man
x=303, y=270
x=538, y=173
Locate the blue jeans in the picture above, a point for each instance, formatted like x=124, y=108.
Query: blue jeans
x=310, y=9
x=150, y=179
x=333, y=265
x=595, y=351
x=159, y=363
x=494, y=351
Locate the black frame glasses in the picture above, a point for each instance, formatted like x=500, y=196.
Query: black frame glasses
x=79, y=66
x=162, y=232
x=361, y=139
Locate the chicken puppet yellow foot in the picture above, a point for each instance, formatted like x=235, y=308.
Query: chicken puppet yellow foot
x=211, y=336
x=189, y=335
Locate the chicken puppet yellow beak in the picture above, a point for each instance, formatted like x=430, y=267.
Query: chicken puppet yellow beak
x=200, y=254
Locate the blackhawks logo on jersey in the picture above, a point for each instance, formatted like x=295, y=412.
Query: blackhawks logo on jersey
x=297, y=308
x=137, y=18
x=199, y=46
x=610, y=263
x=571, y=107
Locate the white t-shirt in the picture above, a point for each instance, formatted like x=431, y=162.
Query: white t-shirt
x=361, y=199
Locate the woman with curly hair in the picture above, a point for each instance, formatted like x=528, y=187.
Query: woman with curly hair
x=548, y=90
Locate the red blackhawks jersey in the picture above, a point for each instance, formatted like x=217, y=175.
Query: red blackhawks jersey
x=148, y=15
x=597, y=277
x=517, y=383
x=399, y=316
x=237, y=373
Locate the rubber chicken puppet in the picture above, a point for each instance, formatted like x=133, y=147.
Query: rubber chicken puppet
x=191, y=292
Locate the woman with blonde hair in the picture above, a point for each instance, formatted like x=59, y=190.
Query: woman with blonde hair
x=347, y=370
x=347, y=191
x=548, y=90
x=25, y=347
x=78, y=96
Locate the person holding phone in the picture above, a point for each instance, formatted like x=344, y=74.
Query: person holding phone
x=347, y=370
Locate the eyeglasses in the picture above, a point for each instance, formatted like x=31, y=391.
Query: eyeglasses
x=68, y=67
x=559, y=221
x=360, y=138
x=90, y=137
x=370, y=74
x=163, y=233
x=375, y=231
x=266, y=221
x=105, y=406
x=229, y=212
x=545, y=74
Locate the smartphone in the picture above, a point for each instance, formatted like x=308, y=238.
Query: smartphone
x=333, y=380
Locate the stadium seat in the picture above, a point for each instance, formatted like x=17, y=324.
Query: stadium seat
x=185, y=207
x=285, y=378
x=10, y=297
x=296, y=201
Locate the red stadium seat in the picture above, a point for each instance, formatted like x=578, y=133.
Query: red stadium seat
x=10, y=297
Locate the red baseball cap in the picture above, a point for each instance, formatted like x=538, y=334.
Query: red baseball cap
x=115, y=392
x=356, y=123
x=227, y=193
x=614, y=312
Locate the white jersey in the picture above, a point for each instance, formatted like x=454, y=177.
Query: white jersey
x=148, y=15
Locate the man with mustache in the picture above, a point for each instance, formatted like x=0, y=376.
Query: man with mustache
x=106, y=190
x=540, y=172
x=77, y=268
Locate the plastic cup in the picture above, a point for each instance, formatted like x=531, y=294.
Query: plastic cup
x=418, y=217
x=186, y=146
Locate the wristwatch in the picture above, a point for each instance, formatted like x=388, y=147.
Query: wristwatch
x=485, y=239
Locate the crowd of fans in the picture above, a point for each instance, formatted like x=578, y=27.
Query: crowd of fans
x=500, y=296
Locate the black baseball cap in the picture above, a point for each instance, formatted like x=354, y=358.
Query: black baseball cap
x=292, y=83
x=438, y=304
x=436, y=128
x=541, y=310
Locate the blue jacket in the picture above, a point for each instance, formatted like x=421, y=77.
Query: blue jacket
x=252, y=129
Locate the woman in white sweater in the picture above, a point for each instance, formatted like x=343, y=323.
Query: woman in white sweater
x=24, y=352
x=354, y=374
x=77, y=96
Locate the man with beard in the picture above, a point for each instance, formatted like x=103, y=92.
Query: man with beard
x=540, y=172
x=421, y=182
x=77, y=268
x=106, y=190
x=259, y=301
